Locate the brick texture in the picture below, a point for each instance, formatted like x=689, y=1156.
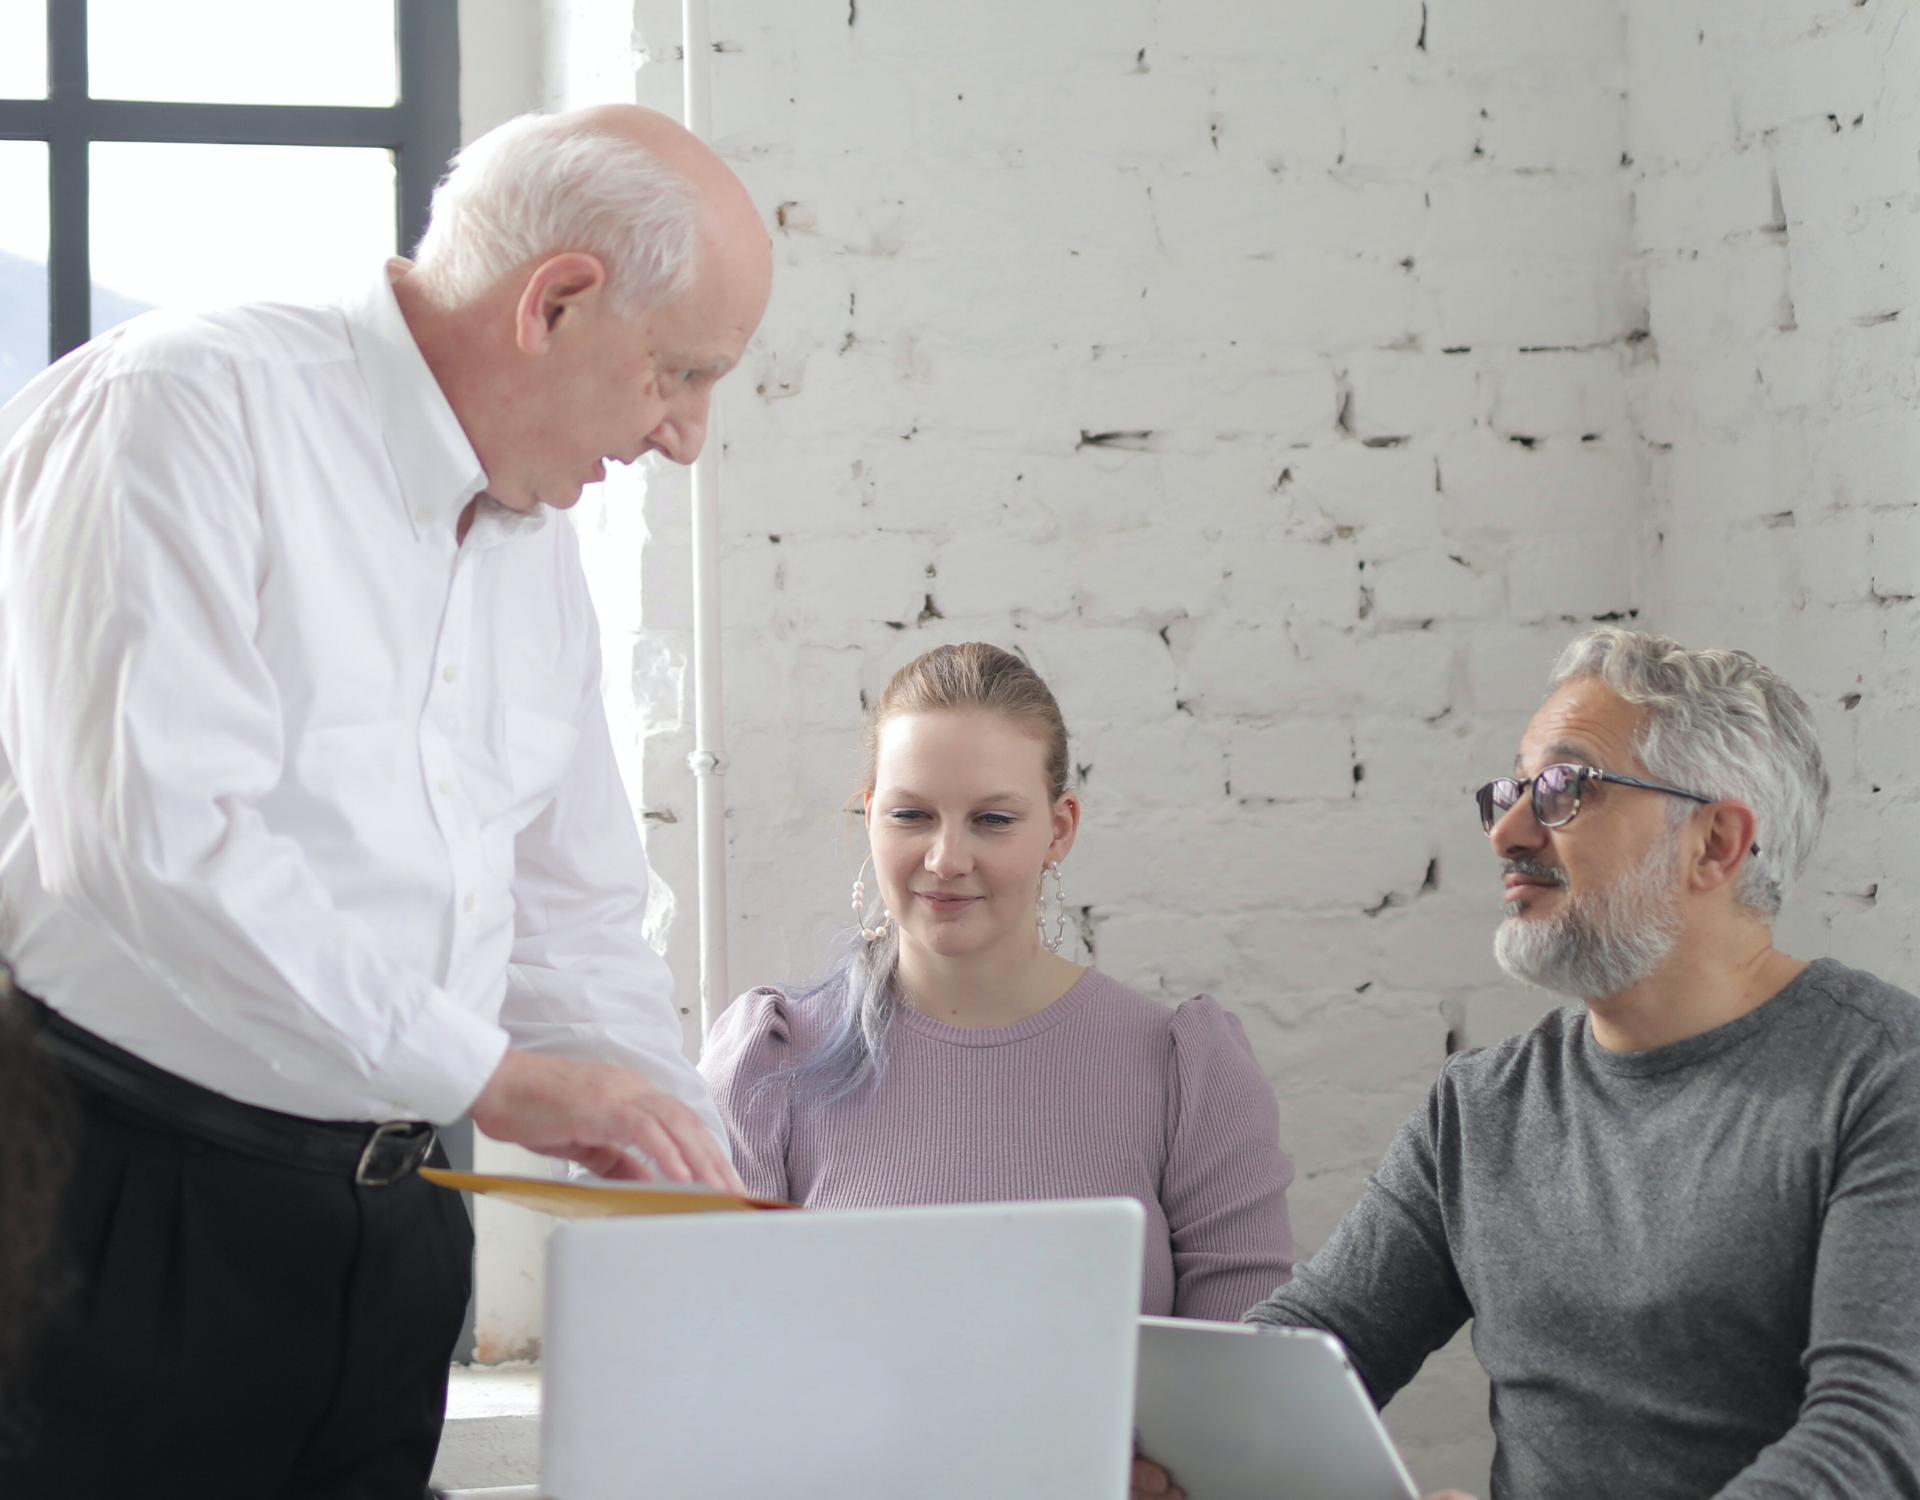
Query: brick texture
x=1260, y=372
x=1777, y=191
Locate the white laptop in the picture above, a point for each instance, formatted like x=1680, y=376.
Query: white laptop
x=1235, y=1411
x=931, y=1353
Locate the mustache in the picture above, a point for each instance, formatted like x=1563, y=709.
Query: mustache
x=1534, y=869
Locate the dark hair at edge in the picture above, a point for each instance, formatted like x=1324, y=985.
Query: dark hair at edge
x=37, y=1129
x=860, y=994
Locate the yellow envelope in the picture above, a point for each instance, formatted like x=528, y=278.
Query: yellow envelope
x=594, y=1200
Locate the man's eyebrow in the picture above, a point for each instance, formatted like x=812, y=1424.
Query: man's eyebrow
x=1563, y=751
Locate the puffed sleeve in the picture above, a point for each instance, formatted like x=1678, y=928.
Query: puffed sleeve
x=1224, y=1191
x=745, y=1054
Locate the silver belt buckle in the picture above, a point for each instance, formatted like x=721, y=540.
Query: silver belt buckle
x=394, y=1150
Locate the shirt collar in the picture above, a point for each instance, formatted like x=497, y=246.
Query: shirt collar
x=438, y=470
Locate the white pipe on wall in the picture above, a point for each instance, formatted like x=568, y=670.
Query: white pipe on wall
x=708, y=761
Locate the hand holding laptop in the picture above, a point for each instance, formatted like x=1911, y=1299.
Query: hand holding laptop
x=1151, y=1482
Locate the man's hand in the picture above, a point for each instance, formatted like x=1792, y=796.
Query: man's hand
x=591, y=1112
x=1151, y=1482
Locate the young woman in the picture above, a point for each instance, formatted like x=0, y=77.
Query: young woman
x=955, y=1057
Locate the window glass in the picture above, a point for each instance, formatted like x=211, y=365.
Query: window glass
x=242, y=51
x=203, y=226
x=23, y=263
x=23, y=49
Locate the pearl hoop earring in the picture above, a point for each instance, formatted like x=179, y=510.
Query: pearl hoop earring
x=1052, y=943
x=871, y=934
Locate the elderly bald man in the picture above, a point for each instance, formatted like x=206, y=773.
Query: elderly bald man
x=310, y=831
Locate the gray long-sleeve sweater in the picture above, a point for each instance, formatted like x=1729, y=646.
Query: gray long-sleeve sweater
x=1692, y=1271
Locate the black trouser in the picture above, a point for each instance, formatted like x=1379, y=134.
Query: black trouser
x=239, y=1329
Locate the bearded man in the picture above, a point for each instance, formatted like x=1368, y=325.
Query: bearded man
x=1683, y=1216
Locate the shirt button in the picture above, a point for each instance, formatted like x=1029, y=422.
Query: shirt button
x=423, y=516
x=467, y=905
x=444, y=787
x=450, y=672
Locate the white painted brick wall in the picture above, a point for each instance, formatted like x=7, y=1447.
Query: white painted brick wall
x=1777, y=225
x=1301, y=615
x=1437, y=332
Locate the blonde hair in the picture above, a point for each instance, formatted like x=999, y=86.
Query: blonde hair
x=974, y=678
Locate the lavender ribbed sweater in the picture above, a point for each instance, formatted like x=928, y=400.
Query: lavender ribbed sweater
x=1103, y=1093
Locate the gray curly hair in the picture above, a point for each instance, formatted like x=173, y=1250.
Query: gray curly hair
x=1719, y=723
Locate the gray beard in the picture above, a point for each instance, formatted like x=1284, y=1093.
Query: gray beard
x=1603, y=942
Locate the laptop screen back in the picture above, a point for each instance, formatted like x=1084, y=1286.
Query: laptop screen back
x=961, y=1351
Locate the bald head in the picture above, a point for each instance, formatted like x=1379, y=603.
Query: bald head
x=730, y=227
x=676, y=148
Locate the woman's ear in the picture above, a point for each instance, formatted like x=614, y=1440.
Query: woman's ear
x=1066, y=826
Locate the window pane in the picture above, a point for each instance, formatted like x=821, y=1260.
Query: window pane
x=23, y=49
x=203, y=226
x=242, y=51
x=23, y=263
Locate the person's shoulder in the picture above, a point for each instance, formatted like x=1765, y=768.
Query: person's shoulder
x=1888, y=1014
x=1496, y=1067
x=1217, y=1069
x=781, y=1021
x=1199, y=1035
x=762, y=1013
x=1119, y=1011
x=168, y=374
x=223, y=342
x=749, y=1039
x=1202, y=1024
x=1119, y=1002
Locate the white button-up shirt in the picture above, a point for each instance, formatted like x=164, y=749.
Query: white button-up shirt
x=301, y=798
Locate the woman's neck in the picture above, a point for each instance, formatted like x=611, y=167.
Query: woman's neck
x=984, y=990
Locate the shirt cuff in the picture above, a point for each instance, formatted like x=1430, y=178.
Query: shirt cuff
x=438, y=1065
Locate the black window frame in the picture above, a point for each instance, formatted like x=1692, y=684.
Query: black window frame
x=421, y=128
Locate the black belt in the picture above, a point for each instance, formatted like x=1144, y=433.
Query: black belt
x=374, y=1155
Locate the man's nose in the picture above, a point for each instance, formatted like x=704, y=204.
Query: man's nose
x=1517, y=830
x=683, y=430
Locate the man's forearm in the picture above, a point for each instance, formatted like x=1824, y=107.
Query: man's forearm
x=1380, y=1286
